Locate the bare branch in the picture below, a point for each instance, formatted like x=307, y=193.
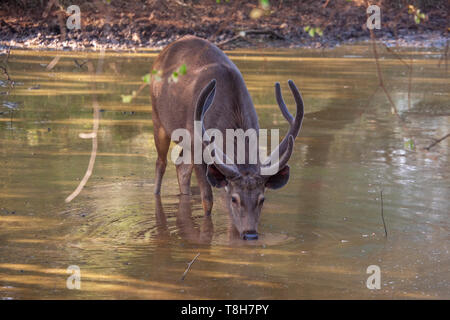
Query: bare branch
x=189, y=266
x=382, y=213
x=380, y=76
x=436, y=142
x=444, y=58
x=243, y=35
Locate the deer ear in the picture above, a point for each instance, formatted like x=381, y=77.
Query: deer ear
x=215, y=177
x=205, y=100
x=279, y=179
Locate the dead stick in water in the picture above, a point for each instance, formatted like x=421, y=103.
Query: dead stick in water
x=382, y=214
x=437, y=141
x=189, y=266
x=243, y=35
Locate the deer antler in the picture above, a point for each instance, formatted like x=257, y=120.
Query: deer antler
x=284, y=148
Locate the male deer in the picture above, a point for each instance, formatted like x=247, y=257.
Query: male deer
x=213, y=92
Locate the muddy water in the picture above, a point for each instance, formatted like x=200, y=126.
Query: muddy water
x=319, y=234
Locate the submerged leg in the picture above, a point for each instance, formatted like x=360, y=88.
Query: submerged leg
x=162, y=143
x=184, y=173
x=205, y=188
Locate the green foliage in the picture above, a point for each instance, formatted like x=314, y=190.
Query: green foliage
x=409, y=144
x=418, y=16
x=181, y=71
x=156, y=75
x=312, y=31
x=263, y=9
x=128, y=98
x=264, y=4
x=146, y=78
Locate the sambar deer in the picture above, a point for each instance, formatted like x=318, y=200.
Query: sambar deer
x=214, y=84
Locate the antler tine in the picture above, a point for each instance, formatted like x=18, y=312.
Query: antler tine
x=282, y=105
x=284, y=157
x=295, y=123
x=299, y=102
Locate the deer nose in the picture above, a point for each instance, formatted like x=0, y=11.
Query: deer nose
x=250, y=235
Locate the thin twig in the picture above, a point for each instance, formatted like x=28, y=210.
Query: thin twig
x=136, y=93
x=79, y=65
x=49, y=6
x=380, y=76
x=96, y=117
x=396, y=55
x=53, y=63
x=410, y=83
x=444, y=57
x=243, y=35
x=4, y=68
x=181, y=3
x=394, y=109
x=5, y=72
x=266, y=31
x=436, y=142
x=220, y=44
x=141, y=87
x=382, y=214
x=8, y=52
x=410, y=70
x=189, y=266
x=93, y=134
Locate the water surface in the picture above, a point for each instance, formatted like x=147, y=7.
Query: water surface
x=319, y=233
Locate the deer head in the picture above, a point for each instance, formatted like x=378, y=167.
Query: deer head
x=245, y=185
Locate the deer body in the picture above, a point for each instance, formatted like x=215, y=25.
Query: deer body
x=214, y=84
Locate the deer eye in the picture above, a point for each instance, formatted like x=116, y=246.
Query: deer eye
x=234, y=199
x=261, y=201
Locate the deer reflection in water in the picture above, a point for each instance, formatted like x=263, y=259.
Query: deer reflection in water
x=187, y=226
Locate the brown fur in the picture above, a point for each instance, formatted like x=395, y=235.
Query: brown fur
x=174, y=105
